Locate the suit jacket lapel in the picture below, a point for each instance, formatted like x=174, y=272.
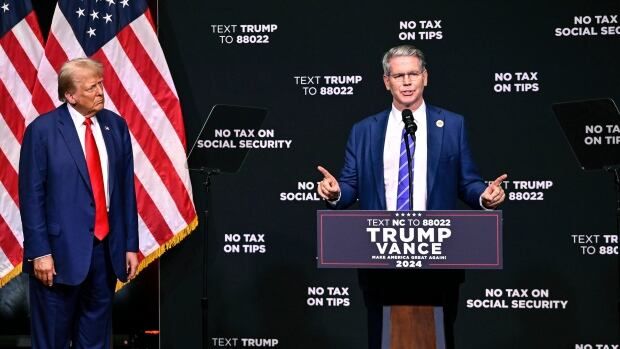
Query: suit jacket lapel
x=108, y=138
x=434, y=143
x=377, y=140
x=69, y=134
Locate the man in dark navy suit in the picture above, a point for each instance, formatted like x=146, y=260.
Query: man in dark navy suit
x=374, y=174
x=78, y=209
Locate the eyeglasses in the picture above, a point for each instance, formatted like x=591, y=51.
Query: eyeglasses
x=412, y=76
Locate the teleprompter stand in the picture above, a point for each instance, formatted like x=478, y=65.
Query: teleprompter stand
x=215, y=151
x=592, y=130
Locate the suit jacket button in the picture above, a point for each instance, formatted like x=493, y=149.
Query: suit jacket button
x=91, y=229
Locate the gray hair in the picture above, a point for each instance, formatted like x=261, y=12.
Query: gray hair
x=65, y=75
x=399, y=51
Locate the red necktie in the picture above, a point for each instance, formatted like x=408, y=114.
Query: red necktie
x=96, y=181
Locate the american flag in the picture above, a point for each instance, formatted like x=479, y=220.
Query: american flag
x=21, y=49
x=138, y=86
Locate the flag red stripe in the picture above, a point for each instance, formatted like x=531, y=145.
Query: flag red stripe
x=147, y=139
x=33, y=23
x=158, y=87
x=151, y=215
x=149, y=17
x=9, y=244
x=8, y=177
x=40, y=99
x=26, y=71
x=56, y=56
x=12, y=116
x=54, y=52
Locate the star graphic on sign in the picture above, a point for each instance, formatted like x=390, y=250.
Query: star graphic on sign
x=110, y=2
x=80, y=12
x=91, y=32
x=107, y=17
x=95, y=15
x=5, y=7
x=125, y=3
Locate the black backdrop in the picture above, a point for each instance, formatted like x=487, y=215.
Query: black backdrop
x=551, y=202
x=264, y=295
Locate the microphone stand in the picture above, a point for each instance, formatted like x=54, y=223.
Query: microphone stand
x=409, y=166
x=207, y=174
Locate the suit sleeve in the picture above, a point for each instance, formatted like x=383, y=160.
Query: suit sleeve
x=32, y=193
x=349, y=174
x=131, y=212
x=471, y=184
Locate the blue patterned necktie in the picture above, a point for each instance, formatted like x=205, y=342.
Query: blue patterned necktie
x=402, y=199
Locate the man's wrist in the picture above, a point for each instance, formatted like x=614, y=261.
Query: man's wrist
x=334, y=202
x=482, y=205
x=34, y=259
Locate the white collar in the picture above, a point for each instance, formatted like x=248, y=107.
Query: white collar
x=419, y=115
x=77, y=118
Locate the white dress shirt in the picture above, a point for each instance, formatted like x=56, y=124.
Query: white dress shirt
x=78, y=121
x=391, y=158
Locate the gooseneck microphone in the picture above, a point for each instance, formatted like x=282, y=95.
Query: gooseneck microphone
x=410, y=128
x=410, y=124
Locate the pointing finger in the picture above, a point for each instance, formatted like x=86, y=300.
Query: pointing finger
x=324, y=172
x=498, y=181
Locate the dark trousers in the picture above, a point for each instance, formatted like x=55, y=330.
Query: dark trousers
x=81, y=315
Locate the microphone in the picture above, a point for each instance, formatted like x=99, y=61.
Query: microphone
x=410, y=128
x=410, y=125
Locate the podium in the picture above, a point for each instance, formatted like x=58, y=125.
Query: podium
x=412, y=326
x=412, y=241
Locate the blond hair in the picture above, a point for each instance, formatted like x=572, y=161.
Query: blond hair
x=66, y=82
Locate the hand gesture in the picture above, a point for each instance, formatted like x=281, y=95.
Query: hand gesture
x=494, y=195
x=328, y=188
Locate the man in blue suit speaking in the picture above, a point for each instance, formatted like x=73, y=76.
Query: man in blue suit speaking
x=78, y=210
x=376, y=175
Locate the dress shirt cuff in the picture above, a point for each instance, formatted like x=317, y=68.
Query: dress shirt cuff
x=34, y=259
x=333, y=203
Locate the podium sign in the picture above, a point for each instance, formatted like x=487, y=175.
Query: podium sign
x=409, y=240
